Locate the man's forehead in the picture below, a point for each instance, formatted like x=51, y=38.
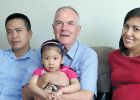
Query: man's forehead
x=66, y=11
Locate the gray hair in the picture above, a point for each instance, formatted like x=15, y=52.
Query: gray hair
x=68, y=7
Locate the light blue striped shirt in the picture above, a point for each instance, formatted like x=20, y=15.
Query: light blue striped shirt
x=84, y=60
x=12, y=72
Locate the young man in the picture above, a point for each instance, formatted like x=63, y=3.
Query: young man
x=80, y=57
x=15, y=61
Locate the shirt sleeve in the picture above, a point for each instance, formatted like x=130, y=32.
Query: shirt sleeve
x=38, y=72
x=89, y=73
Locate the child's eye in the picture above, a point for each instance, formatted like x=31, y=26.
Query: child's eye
x=55, y=58
x=46, y=58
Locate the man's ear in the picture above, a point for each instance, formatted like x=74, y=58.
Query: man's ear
x=30, y=33
x=78, y=30
x=53, y=26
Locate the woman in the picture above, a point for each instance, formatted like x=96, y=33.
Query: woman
x=125, y=62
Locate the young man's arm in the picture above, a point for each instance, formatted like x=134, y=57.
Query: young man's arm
x=26, y=93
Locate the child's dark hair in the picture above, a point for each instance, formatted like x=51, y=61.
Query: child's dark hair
x=52, y=43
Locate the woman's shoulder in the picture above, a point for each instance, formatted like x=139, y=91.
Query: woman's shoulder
x=114, y=52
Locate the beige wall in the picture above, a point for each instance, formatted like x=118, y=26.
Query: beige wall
x=101, y=20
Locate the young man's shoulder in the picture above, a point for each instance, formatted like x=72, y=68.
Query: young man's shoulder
x=5, y=52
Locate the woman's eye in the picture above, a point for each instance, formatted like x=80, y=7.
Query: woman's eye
x=136, y=29
x=125, y=26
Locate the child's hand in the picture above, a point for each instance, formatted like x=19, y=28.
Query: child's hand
x=59, y=92
x=53, y=96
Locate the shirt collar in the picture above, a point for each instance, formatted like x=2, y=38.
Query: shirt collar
x=27, y=55
x=72, y=51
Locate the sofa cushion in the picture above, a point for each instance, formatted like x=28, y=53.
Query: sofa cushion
x=103, y=82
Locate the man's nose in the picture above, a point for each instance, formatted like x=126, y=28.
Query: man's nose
x=64, y=26
x=14, y=34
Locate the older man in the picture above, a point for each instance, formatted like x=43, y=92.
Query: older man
x=80, y=57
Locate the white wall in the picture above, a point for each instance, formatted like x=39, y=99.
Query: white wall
x=101, y=20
